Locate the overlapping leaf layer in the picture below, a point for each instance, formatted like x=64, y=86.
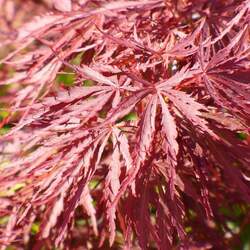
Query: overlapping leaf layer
x=140, y=141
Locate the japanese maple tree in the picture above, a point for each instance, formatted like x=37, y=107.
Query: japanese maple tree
x=130, y=118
